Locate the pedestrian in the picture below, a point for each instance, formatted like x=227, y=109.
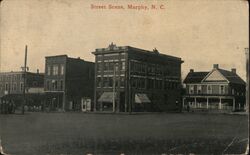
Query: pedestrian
x=188, y=108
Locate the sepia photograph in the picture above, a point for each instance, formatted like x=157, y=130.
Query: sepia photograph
x=116, y=77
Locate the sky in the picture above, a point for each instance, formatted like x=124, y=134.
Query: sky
x=201, y=32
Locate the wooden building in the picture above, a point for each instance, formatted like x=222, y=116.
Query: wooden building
x=129, y=79
x=217, y=89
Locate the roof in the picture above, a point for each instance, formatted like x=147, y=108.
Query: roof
x=112, y=48
x=195, y=77
x=231, y=76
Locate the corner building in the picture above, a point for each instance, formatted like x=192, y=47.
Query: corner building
x=129, y=79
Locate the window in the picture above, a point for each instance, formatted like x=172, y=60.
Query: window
x=6, y=86
x=111, y=66
x=110, y=79
x=48, y=70
x=166, y=85
x=122, y=84
x=142, y=83
x=105, y=82
x=54, y=84
x=99, y=82
x=199, y=89
x=106, y=66
x=133, y=82
x=55, y=70
x=21, y=86
x=61, y=85
x=48, y=85
x=123, y=65
x=14, y=87
x=191, y=89
x=232, y=91
x=62, y=70
x=222, y=89
x=99, y=66
x=209, y=89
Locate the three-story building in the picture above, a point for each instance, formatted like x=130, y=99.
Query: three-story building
x=67, y=81
x=130, y=79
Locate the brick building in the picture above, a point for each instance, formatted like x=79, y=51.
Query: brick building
x=67, y=81
x=130, y=79
x=217, y=89
x=12, y=85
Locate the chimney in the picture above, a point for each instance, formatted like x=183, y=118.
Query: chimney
x=37, y=71
x=233, y=70
x=191, y=70
x=216, y=66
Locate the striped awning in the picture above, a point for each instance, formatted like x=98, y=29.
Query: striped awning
x=141, y=98
x=107, y=97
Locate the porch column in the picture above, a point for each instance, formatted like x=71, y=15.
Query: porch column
x=195, y=102
x=220, y=104
x=233, y=104
x=207, y=103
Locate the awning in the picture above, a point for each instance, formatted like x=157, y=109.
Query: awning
x=107, y=97
x=141, y=98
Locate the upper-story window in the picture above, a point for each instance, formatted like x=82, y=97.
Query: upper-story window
x=123, y=65
x=21, y=86
x=62, y=70
x=99, y=66
x=199, y=89
x=222, y=89
x=14, y=87
x=55, y=70
x=6, y=86
x=209, y=89
x=122, y=82
x=48, y=70
x=232, y=91
x=191, y=89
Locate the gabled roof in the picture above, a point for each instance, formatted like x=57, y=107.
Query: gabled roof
x=231, y=76
x=195, y=77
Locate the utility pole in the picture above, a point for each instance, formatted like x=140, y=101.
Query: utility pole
x=247, y=79
x=24, y=78
x=114, y=93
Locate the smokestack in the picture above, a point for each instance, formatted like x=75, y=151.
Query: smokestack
x=233, y=70
x=37, y=71
x=216, y=66
x=191, y=70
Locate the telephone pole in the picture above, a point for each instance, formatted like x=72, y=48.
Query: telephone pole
x=247, y=79
x=24, y=78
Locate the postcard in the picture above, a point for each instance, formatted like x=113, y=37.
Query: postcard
x=116, y=77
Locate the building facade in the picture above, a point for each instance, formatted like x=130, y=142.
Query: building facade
x=129, y=79
x=67, y=82
x=12, y=88
x=217, y=89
